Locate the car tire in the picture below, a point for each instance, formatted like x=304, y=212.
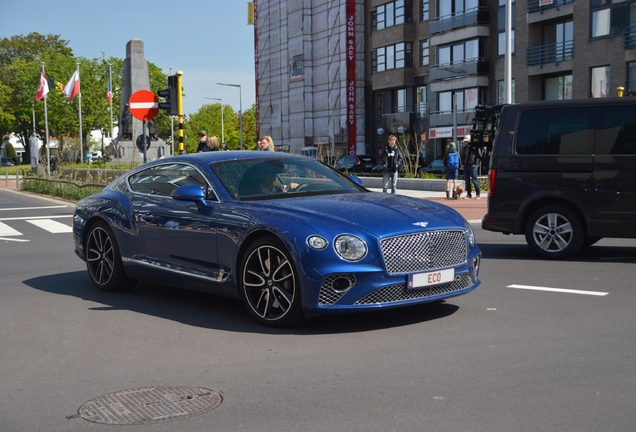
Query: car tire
x=554, y=232
x=269, y=284
x=103, y=260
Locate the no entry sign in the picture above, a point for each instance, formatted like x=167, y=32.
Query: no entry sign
x=144, y=105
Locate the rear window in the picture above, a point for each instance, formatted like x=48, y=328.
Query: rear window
x=558, y=131
x=616, y=130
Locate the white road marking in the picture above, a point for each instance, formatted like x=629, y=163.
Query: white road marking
x=33, y=208
x=36, y=217
x=561, y=290
x=50, y=225
x=13, y=239
x=6, y=230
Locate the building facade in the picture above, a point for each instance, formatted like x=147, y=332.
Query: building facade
x=424, y=65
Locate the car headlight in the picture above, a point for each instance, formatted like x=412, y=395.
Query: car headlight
x=470, y=233
x=317, y=242
x=350, y=248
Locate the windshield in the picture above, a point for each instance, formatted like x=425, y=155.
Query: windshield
x=279, y=178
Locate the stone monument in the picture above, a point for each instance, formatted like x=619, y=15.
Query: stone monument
x=135, y=77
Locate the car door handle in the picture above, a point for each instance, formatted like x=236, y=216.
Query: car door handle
x=147, y=217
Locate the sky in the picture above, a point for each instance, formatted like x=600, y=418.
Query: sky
x=208, y=40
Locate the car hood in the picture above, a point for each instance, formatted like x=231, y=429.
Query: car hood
x=378, y=213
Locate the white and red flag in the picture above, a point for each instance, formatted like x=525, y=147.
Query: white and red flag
x=43, y=88
x=72, y=88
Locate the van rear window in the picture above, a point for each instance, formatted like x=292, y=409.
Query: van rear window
x=556, y=131
x=617, y=130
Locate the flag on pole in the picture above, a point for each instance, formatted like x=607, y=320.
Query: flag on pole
x=72, y=88
x=110, y=89
x=43, y=88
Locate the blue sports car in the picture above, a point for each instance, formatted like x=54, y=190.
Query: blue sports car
x=285, y=233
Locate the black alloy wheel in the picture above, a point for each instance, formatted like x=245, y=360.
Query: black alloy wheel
x=103, y=260
x=269, y=284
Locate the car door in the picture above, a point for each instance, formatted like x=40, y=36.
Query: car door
x=178, y=236
x=614, y=190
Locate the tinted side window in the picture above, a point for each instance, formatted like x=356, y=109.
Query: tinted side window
x=163, y=179
x=141, y=182
x=559, y=131
x=616, y=132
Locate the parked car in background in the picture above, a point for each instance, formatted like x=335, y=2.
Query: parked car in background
x=356, y=163
x=299, y=246
x=435, y=167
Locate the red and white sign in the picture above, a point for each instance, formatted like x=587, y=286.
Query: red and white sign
x=545, y=2
x=144, y=105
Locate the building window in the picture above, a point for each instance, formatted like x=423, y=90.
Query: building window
x=501, y=92
x=447, y=8
x=610, y=19
x=558, y=88
x=501, y=28
x=424, y=50
x=600, y=81
x=392, y=57
x=399, y=100
x=390, y=14
x=424, y=16
x=420, y=104
x=631, y=77
x=459, y=52
x=379, y=106
x=466, y=100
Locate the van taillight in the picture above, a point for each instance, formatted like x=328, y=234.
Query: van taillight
x=492, y=181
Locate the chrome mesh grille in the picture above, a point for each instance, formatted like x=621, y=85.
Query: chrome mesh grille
x=424, y=251
x=398, y=292
x=329, y=296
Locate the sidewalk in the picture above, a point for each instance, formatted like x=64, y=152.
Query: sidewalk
x=472, y=209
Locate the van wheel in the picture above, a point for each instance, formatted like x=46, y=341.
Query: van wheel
x=554, y=232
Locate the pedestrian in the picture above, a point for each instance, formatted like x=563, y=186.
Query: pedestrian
x=34, y=151
x=203, y=142
x=470, y=162
x=267, y=144
x=391, y=162
x=451, y=162
x=213, y=144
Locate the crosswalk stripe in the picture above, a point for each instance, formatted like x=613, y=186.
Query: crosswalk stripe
x=6, y=231
x=51, y=225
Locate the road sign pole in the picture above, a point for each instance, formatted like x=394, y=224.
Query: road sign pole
x=143, y=136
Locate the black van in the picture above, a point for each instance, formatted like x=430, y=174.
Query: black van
x=564, y=173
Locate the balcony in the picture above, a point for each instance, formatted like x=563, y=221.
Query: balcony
x=629, y=37
x=469, y=17
x=458, y=70
x=550, y=53
x=540, y=5
x=445, y=118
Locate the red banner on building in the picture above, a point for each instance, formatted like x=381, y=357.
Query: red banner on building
x=351, y=77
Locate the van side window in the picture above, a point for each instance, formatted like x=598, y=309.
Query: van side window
x=616, y=133
x=564, y=131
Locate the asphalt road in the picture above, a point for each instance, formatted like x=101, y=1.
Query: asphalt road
x=501, y=358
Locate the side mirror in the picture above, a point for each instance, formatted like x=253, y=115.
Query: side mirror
x=355, y=179
x=191, y=193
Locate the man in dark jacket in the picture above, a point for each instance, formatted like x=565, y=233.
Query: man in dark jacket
x=203, y=142
x=391, y=163
x=470, y=162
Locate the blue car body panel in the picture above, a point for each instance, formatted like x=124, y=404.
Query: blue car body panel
x=200, y=246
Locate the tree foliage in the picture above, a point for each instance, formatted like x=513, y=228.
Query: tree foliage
x=22, y=59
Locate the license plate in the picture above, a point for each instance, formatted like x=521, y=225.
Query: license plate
x=437, y=277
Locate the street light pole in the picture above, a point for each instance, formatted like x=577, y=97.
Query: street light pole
x=222, y=122
x=240, y=108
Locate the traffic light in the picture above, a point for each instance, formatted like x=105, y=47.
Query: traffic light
x=170, y=96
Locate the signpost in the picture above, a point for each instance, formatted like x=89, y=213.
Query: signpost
x=144, y=106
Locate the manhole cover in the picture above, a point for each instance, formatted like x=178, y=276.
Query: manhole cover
x=150, y=405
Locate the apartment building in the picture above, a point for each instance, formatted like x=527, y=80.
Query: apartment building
x=424, y=65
